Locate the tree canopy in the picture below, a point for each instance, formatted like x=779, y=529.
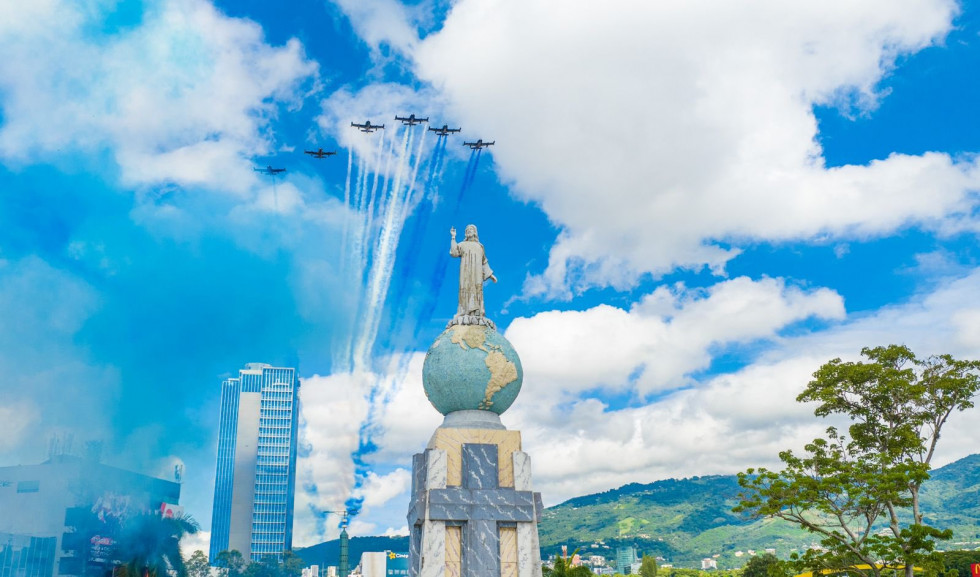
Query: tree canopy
x=648, y=566
x=563, y=567
x=859, y=491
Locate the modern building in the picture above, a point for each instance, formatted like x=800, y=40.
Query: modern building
x=625, y=557
x=60, y=518
x=256, y=475
x=383, y=564
x=708, y=563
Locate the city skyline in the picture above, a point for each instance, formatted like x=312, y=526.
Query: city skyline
x=689, y=208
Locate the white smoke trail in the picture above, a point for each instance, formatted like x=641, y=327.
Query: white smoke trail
x=410, y=201
x=372, y=208
x=347, y=217
x=384, y=256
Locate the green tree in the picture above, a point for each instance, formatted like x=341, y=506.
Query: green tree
x=149, y=545
x=563, y=567
x=292, y=564
x=232, y=562
x=845, y=488
x=766, y=565
x=960, y=561
x=198, y=565
x=648, y=566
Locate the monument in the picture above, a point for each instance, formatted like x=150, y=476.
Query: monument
x=473, y=512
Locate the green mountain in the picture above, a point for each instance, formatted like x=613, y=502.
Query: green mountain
x=685, y=520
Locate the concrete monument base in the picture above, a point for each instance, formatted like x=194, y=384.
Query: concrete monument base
x=473, y=513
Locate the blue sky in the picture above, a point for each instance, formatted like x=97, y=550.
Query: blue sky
x=689, y=209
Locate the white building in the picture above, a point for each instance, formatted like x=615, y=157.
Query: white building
x=708, y=563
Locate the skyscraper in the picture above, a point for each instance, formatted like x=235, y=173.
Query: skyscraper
x=256, y=476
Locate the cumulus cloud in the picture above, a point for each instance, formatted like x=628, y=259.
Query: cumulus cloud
x=661, y=136
x=333, y=408
x=663, y=339
x=732, y=421
x=185, y=96
x=382, y=22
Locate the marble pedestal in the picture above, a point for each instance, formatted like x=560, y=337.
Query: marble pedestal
x=473, y=513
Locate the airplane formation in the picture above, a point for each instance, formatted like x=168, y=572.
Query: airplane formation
x=367, y=126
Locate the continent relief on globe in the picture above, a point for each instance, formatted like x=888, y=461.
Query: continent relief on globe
x=502, y=371
x=471, y=367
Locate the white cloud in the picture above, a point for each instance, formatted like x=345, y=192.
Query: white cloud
x=200, y=541
x=736, y=420
x=378, y=490
x=184, y=97
x=382, y=22
x=662, y=340
x=650, y=131
x=333, y=409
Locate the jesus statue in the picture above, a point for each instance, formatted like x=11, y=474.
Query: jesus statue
x=473, y=272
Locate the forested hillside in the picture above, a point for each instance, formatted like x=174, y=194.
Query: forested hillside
x=685, y=520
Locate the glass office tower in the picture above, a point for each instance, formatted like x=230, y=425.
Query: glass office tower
x=256, y=476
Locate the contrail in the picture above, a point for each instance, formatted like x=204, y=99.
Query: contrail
x=409, y=199
x=442, y=262
x=415, y=233
x=384, y=204
x=353, y=261
x=373, y=208
x=383, y=261
x=346, y=231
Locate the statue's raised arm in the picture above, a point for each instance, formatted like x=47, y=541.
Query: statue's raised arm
x=474, y=270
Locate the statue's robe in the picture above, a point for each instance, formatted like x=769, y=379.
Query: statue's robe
x=473, y=272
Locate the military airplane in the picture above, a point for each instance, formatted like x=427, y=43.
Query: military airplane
x=367, y=126
x=320, y=153
x=269, y=170
x=411, y=120
x=478, y=144
x=445, y=130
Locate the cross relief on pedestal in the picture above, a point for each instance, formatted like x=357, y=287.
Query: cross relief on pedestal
x=480, y=506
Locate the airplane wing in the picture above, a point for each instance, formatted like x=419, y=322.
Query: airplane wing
x=277, y=170
x=310, y=152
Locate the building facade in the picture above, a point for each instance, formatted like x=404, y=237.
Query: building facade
x=256, y=474
x=625, y=557
x=61, y=517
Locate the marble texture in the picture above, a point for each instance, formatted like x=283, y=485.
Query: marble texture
x=481, y=545
x=508, y=552
x=451, y=441
x=528, y=550
x=433, y=553
x=479, y=466
x=473, y=513
x=522, y=471
x=414, y=550
x=437, y=463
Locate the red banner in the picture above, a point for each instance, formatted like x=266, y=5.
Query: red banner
x=975, y=570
